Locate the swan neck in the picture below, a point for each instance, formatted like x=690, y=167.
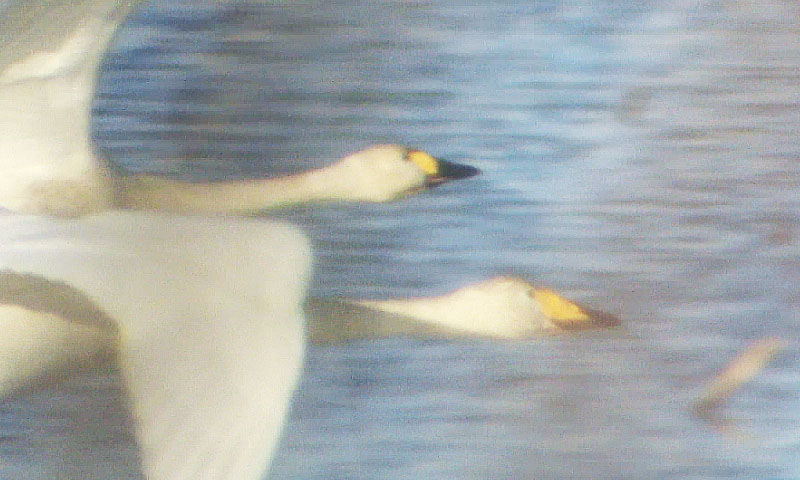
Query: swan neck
x=143, y=192
x=318, y=185
x=431, y=309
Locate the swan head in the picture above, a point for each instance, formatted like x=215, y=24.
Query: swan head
x=514, y=307
x=501, y=307
x=388, y=172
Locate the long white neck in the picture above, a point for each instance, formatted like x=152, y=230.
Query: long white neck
x=158, y=193
x=433, y=309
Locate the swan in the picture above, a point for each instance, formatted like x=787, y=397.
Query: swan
x=204, y=315
x=499, y=307
x=49, y=66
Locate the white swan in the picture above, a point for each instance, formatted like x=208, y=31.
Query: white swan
x=204, y=315
x=48, y=70
x=208, y=311
x=500, y=307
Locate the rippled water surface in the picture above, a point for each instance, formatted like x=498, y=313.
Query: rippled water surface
x=641, y=157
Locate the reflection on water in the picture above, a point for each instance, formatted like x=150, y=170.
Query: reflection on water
x=641, y=157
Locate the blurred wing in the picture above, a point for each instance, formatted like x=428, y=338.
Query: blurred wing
x=37, y=347
x=210, y=323
x=50, y=52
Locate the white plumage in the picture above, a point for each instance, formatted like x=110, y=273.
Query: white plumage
x=203, y=314
x=207, y=318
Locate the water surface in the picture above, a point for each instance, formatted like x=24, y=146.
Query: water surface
x=641, y=157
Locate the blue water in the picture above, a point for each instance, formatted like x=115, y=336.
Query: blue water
x=641, y=157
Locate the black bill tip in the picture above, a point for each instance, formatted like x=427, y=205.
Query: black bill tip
x=448, y=171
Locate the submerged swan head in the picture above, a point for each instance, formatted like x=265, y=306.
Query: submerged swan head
x=387, y=172
x=502, y=307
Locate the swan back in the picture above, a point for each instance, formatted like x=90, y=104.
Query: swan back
x=210, y=326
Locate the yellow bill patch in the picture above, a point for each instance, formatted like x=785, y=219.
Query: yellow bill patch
x=558, y=308
x=425, y=162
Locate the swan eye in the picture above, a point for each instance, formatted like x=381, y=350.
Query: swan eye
x=425, y=162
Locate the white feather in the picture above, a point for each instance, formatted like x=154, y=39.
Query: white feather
x=210, y=321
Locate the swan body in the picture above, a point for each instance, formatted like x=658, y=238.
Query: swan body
x=501, y=307
x=209, y=338
x=203, y=315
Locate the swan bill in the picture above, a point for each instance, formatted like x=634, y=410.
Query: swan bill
x=569, y=315
x=438, y=171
